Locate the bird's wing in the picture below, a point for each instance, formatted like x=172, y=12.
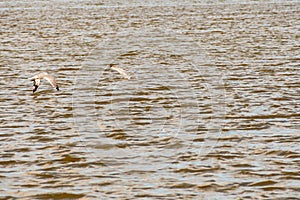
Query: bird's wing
x=51, y=80
x=121, y=71
x=35, y=87
x=36, y=84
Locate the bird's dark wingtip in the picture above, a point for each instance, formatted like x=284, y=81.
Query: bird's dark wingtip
x=57, y=88
x=34, y=88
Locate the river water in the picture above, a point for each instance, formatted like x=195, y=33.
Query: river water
x=212, y=109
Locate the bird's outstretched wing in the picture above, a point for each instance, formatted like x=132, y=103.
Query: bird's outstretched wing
x=36, y=84
x=120, y=70
x=52, y=81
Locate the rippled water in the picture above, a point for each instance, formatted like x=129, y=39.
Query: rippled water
x=211, y=111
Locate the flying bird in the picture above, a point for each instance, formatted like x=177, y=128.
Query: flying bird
x=37, y=80
x=120, y=70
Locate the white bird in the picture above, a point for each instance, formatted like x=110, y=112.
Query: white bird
x=37, y=80
x=120, y=70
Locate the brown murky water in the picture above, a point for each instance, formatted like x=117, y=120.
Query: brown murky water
x=212, y=110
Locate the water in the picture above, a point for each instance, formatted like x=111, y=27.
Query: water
x=212, y=109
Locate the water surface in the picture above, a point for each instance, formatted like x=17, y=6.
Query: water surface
x=212, y=109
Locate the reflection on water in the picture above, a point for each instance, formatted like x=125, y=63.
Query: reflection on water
x=211, y=111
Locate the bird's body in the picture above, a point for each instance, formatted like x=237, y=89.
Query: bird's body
x=37, y=80
x=120, y=70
